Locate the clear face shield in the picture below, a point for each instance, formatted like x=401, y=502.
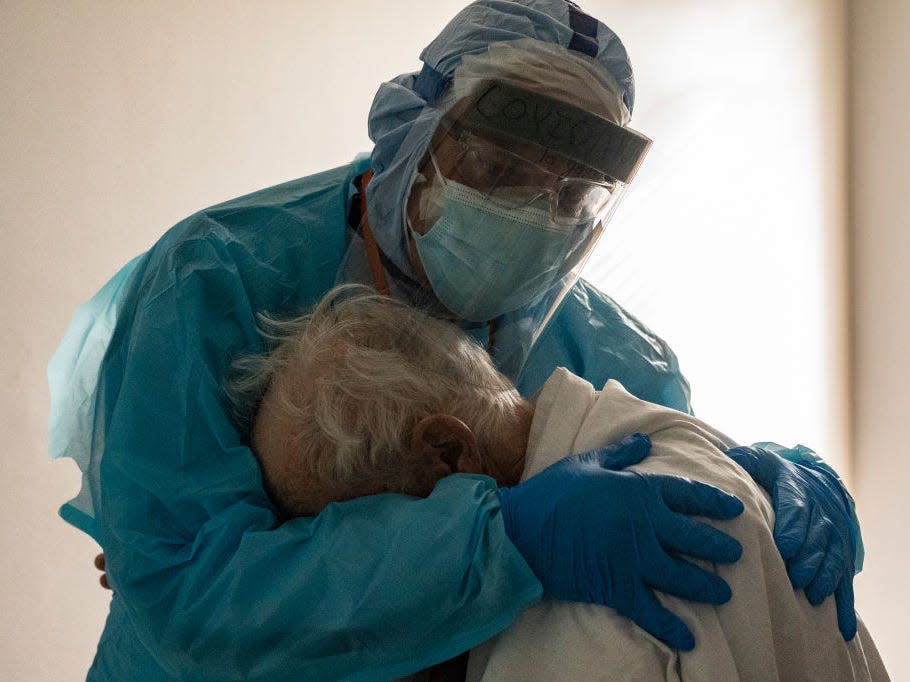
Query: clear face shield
x=513, y=193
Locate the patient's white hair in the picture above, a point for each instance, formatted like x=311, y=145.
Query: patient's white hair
x=345, y=385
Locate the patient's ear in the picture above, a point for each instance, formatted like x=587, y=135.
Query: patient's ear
x=446, y=444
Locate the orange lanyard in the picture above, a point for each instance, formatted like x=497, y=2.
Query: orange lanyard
x=369, y=241
x=375, y=262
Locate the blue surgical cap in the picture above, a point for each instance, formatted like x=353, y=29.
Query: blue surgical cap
x=406, y=110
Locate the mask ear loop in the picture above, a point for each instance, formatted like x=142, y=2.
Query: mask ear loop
x=369, y=240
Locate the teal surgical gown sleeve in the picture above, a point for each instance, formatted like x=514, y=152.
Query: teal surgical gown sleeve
x=208, y=580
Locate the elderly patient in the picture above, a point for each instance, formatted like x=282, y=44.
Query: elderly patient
x=367, y=395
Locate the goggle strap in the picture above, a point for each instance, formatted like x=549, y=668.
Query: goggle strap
x=431, y=83
x=584, y=31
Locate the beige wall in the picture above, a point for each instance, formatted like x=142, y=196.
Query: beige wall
x=119, y=118
x=880, y=183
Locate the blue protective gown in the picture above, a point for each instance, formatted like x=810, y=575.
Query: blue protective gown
x=208, y=582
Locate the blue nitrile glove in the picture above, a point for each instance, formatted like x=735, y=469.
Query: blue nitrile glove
x=594, y=534
x=812, y=528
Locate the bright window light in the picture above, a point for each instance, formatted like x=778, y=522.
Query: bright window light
x=724, y=243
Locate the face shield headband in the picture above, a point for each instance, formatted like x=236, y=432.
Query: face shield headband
x=501, y=110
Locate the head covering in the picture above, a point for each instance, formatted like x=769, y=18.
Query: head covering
x=407, y=109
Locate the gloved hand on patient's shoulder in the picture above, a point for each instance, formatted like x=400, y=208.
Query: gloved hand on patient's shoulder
x=812, y=528
x=594, y=533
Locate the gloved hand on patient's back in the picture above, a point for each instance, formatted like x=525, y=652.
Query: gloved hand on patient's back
x=593, y=533
x=812, y=528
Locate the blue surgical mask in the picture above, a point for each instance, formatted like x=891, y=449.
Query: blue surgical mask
x=483, y=260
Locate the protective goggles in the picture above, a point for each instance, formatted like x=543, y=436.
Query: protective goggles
x=513, y=181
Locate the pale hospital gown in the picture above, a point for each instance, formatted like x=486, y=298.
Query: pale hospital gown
x=767, y=631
